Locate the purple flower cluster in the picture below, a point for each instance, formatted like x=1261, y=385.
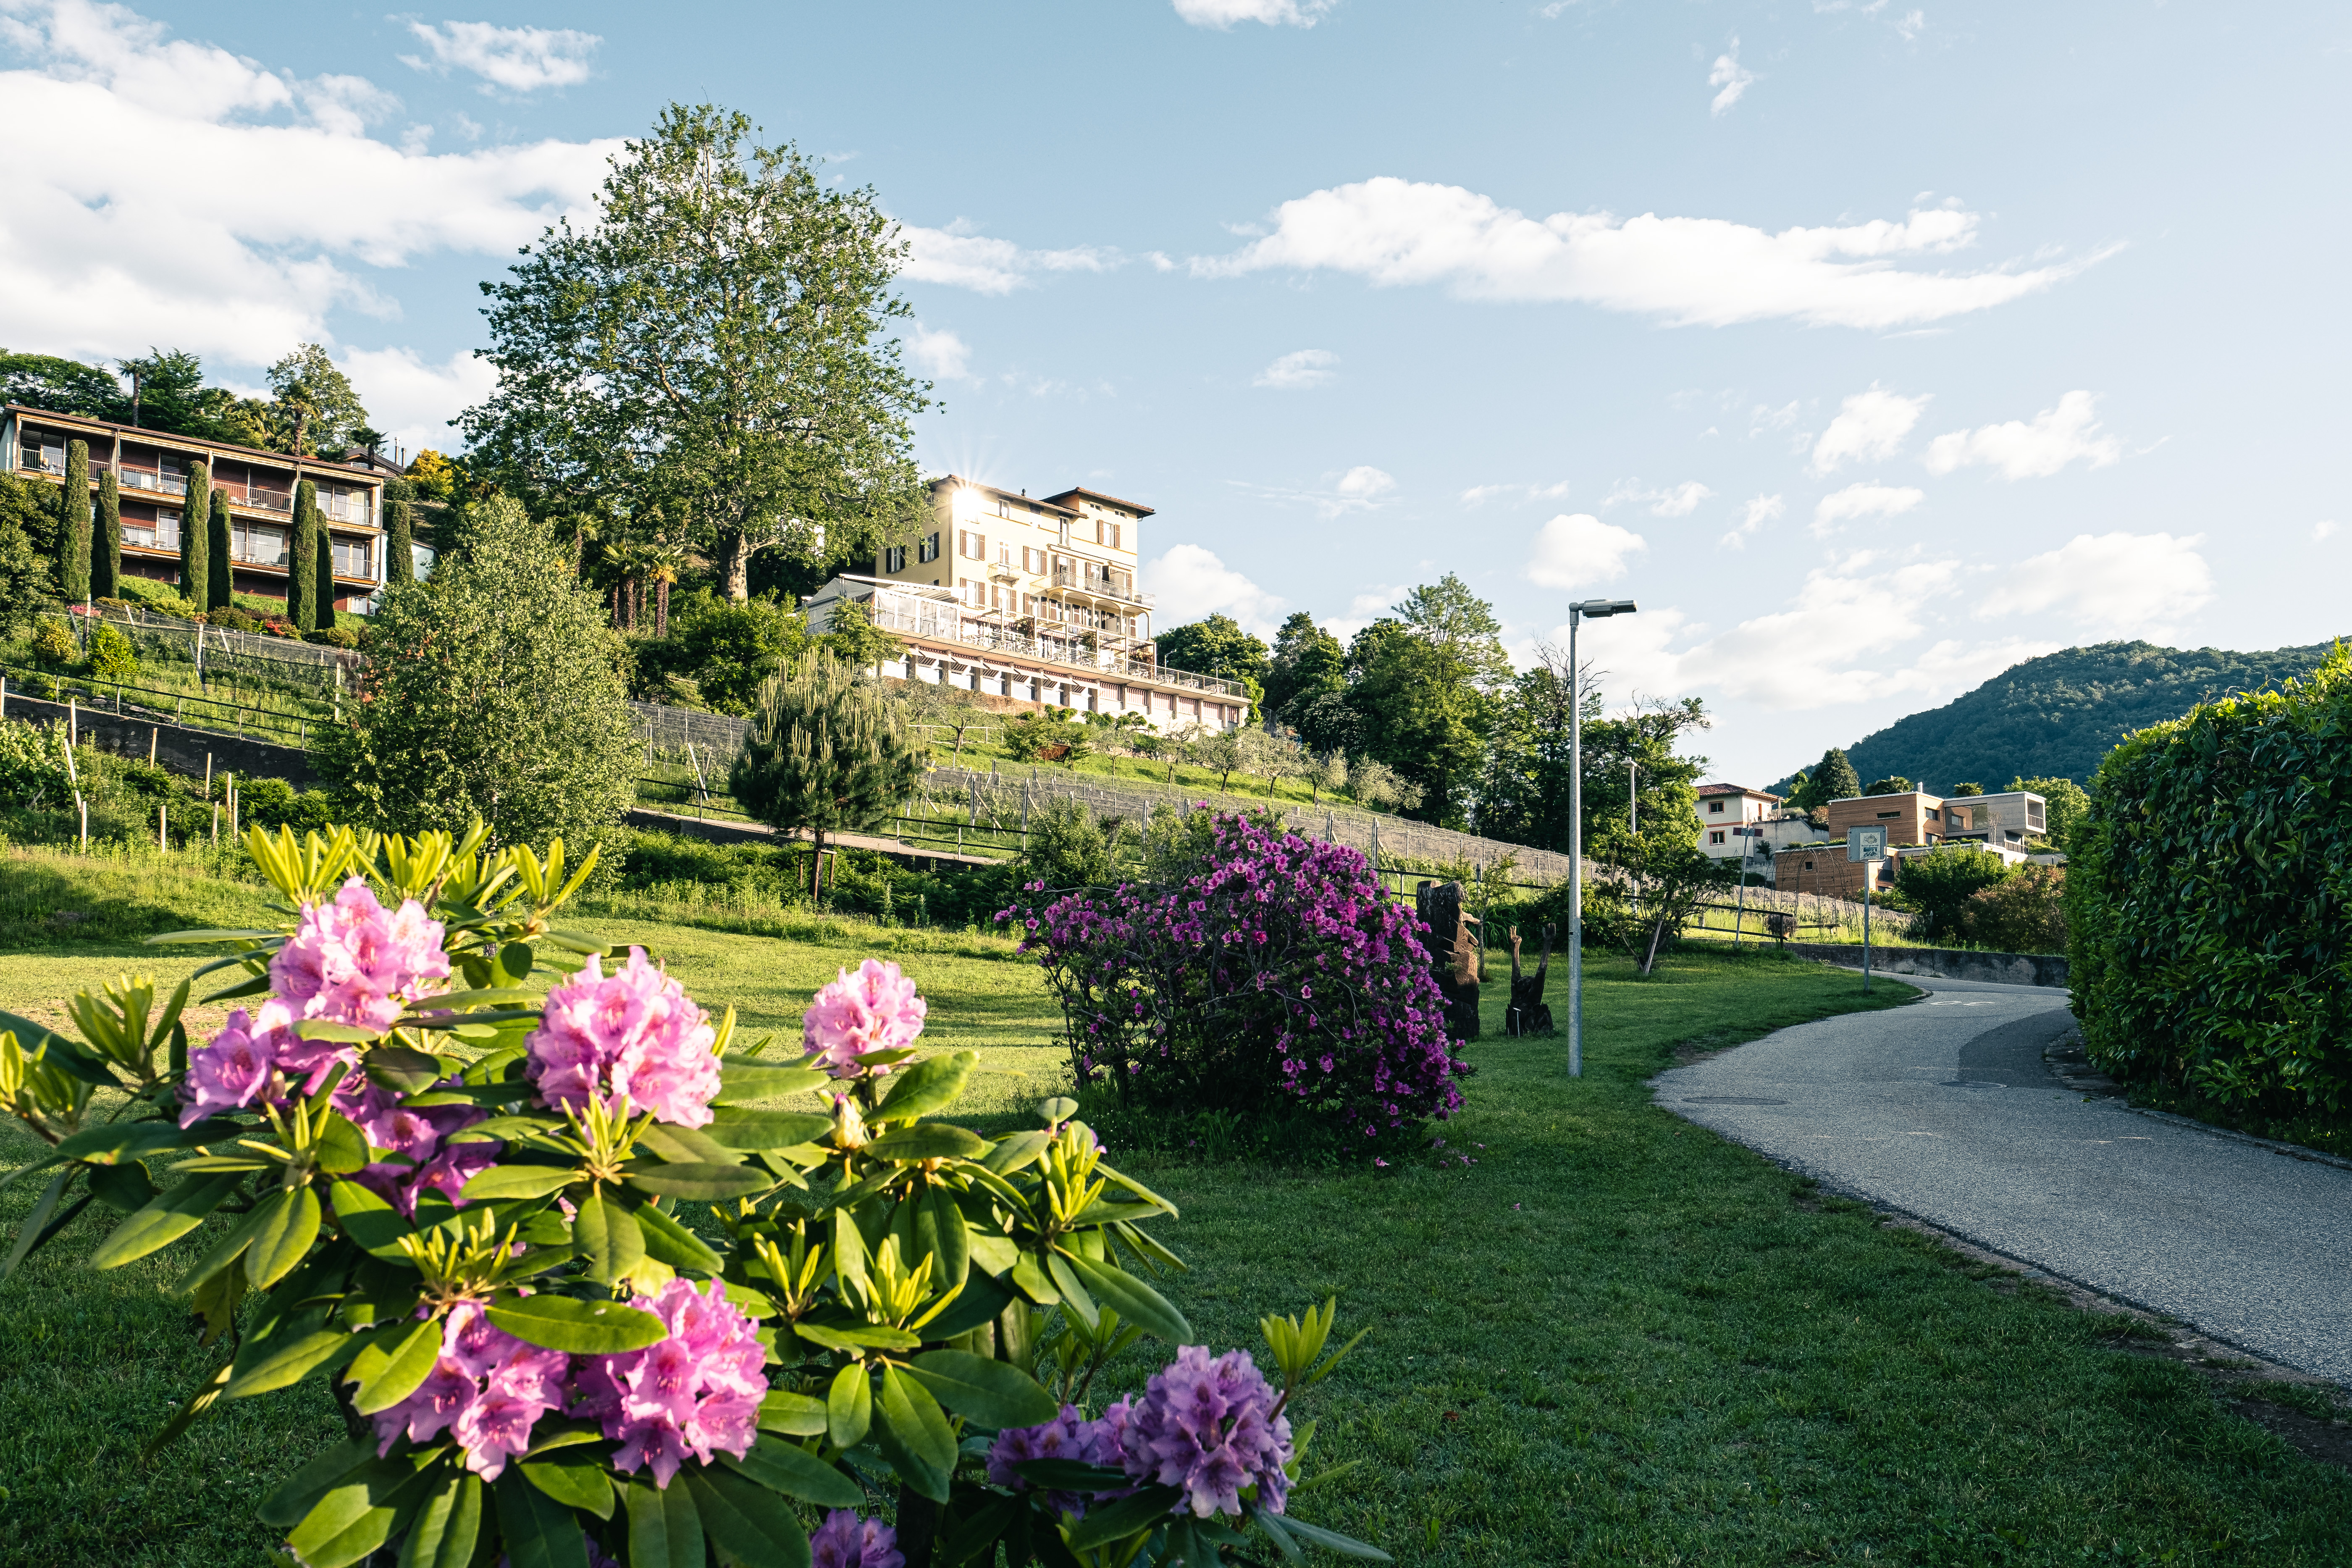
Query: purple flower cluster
x=632, y=1035
x=845, y=1540
x=1067, y=1436
x=488, y=1390
x=875, y=1009
x=1270, y=968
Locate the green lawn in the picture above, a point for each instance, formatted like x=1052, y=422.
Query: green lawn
x=1612, y=1338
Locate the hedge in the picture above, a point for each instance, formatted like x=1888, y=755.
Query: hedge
x=2207, y=903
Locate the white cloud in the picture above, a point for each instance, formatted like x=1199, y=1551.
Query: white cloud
x=1364, y=609
x=1730, y=76
x=1690, y=271
x=2031, y=451
x=1826, y=646
x=2322, y=531
x=1298, y=370
x=1223, y=14
x=1364, y=483
x=1192, y=581
x=963, y=258
x=1862, y=500
x=1479, y=495
x=1911, y=24
x=2123, y=583
x=1870, y=426
x=1580, y=550
x=519, y=60
x=150, y=203
x=1759, y=511
x=941, y=354
x=413, y=401
x=1359, y=488
x=1676, y=500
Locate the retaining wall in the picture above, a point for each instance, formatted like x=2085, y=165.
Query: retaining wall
x=180, y=750
x=1946, y=963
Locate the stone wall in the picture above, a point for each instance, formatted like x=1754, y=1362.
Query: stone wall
x=180, y=750
x=1946, y=963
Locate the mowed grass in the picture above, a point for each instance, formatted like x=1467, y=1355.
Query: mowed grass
x=1612, y=1338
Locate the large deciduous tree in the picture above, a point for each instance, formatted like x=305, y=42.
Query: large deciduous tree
x=312, y=407
x=1308, y=662
x=1216, y=646
x=1424, y=681
x=717, y=347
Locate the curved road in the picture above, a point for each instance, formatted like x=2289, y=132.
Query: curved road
x=1945, y=1111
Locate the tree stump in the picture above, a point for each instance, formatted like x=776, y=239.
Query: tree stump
x=1526, y=1014
x=1453, y=953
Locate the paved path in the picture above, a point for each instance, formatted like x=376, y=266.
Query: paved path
x=1944, y=1110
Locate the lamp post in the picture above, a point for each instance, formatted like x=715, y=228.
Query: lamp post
x=1576, y=614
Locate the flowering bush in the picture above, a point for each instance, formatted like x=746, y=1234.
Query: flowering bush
x=1255, y=970
x=463, y=1201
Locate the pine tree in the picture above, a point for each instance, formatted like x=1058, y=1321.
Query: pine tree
x=220, y=579
x=400, y=533
x=195, y=536
x=302, y=572
x=106, y=548
x=826, y=752
x=73, y=554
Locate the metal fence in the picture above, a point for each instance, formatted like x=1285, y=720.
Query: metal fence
x=212, y=650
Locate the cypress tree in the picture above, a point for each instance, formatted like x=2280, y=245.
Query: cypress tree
x=73, y=532
x=106, y=549
x=400, y=531
x=302, y=571
x=195, y=536
x=220, y=584
x=323, y=606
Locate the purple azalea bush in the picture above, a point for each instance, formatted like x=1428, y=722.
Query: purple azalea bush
x=595, y=1290
x=1261, y=971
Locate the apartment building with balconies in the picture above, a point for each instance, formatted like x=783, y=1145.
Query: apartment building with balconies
x=1031, y=602
x=150, y=470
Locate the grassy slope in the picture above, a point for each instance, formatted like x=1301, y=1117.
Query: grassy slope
x=1614, y=1338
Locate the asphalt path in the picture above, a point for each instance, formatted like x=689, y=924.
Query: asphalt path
x=1944, y=1110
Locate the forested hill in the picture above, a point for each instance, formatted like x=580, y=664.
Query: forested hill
x=2058, y=715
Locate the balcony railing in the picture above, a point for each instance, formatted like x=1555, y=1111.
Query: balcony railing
x=1119, y=586
x=154, y=484
x=951, y=626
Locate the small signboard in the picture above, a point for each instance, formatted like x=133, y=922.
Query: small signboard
x=1865, y=844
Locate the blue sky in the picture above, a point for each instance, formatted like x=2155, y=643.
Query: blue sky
x=1871, y=347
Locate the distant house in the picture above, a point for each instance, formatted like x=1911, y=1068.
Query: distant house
x=1917, y=822
x=1731, y=816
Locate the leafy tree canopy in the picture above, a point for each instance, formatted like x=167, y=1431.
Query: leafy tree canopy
x=313, y=406
x=1308, y=662
x=2065, y=804
x=1897, y=784
x=1215, y=646
x=1832, y=778
x=826, y=752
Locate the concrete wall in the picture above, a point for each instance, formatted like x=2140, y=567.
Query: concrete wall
x=1949, y=964
x=181, y=751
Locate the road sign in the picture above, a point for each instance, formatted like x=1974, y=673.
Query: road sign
x=1865, y=844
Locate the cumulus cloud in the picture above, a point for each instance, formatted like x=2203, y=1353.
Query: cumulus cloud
x=1862, y=500
x=1731, y=77
x=150, y=201
x=1755, y=514
x=1222, y=14
x=963, y=258
x=2035, y=450
x=1826, y=645
x=1192, y=582
x=1870, y=426
x=1676, y=501
x=2122, y=583
x=2322, y=531
x=1688, y=271
x=1580, y=550
x=941, y=354
x=411, y=401
x=519, y=60
x=1297, y=371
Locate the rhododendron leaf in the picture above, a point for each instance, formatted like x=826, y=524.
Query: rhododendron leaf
x=849, y=1250
x=1054, y=1111
x=1138, y=1188
x=980, y=1300
x=215, y=1302
x=575, y=1480
x=607, y=1235
x=169, y=1217
x=258, y=985
x=1147, y=1249
x=668, y=1240
x=690, y=1145
x=340, y=1147
x=398, y=1373
x=930, y=1086
x=914, y=1435
x=1147, y=1509
x=120, y=1141
x=581, y=1328
x=992, y=1392
x=1016, y=1152
x=942, y=1234
x=1133, y=1300
x=1029, y=1277
x=664, y=1532
x=30, y=1233
x=798, y=1415
x=125, y=1187
x=285, y=1239
x=748, y=1524
x=328, y=1030
x=202, y=1400
x=537, y=1530
x=1101, y=1213
x=367, y=1217
x=849, y=1407
x=742, y=1081
x=517, y=1182
x=576, y=942
x=447, y=1525
x=298, y=1493
x=230, y=1246
x=1072, y=1475
x=928, y=1141
x=1068, y=1287
x=1193, y=1543
x=1316, y=1536
x=767, y=1129
x=793, y=1470
x=852, y=1337
x=705, y=1184
x=265, y=1366
x=450, y=1001
x=174, y=938
x=398, y=1068
x=504, y=1128
x=514, y=962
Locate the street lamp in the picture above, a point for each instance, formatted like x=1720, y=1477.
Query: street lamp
x=1596, y=608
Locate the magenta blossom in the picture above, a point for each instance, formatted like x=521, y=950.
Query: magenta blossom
x=354, y=962
x=1208, y=1425
x=875, y=1009
x=696, y=1392
x=238, y=1068
x=488, y=1390
x=633, y=1034
x=845, y=1540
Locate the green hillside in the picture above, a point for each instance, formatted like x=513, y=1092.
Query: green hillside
x=2054, y=717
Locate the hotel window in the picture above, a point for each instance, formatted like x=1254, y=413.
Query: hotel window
x=163, y=533
x=894, y=558
x=253, y=544
x=44, y=452
x=1716, y=836
x=341, y=504
x=351, y=559
x=972, y=545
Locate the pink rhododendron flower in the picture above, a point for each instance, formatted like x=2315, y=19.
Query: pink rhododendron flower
x=697, y=1391
x=845, y=1540
x=488, y=1389
x=236, y=1069
x=875, y=1009
x=633, y=1033
x=354, y=962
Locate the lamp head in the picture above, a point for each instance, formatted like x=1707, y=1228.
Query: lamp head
x=1596, y=608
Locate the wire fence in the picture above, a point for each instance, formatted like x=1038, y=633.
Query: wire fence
x=217, y=711
x=218, y=650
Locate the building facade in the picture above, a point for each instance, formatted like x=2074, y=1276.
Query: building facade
x=1917, y=824
x=150, y=470
x=1731, y=817
x=1030, y=603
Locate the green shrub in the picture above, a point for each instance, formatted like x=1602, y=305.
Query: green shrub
x=1938, y=886
x=111, y=656
x=1038, y=735
x=2023, y=912
x=334, y=637
x=2210, y=905
x=31, y=766
x=233, y=618
x=274, y=804
x=53, y=644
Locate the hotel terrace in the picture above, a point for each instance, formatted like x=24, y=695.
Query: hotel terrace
x=1030, y=603
x=151, y=470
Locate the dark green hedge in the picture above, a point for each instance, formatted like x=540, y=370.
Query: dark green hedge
x=2209, y=907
